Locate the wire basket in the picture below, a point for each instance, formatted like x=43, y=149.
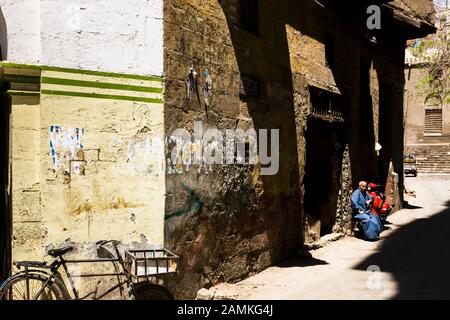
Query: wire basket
x=152, y=262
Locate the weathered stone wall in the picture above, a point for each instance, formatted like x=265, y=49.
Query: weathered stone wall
x=87, y=156
x=344, y=209
x=25, y=179
x=225, y=222
x=240, y=228
x=421, y=9
x=389, y=64
x=87, y=147
x=415, y=111
x=113, y=186
x=230, y=221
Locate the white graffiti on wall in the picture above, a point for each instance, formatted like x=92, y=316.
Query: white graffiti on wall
x=180, y=150
x=146, y=157
x=65, y=145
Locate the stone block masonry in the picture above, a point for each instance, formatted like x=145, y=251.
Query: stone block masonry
x=73, y=177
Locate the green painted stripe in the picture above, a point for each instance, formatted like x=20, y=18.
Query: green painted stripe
x=21, y=66
x=103, y=74
x=22, y=79
x=102, y=85
x=101, y=96
x=22, y=93
x=89, y=72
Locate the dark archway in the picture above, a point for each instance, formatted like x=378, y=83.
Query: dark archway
x=324, y=145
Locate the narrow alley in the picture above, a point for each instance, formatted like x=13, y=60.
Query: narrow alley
x=413, y=257
x=224, y=150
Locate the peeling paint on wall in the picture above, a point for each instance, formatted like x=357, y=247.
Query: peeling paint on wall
x=65, y=147
x=207, y=89
x=192, y=83
x=146, y=157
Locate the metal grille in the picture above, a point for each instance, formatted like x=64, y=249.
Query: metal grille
x=326, y=105
x=433, y=121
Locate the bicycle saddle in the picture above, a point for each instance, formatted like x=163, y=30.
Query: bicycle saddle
x=58, y=252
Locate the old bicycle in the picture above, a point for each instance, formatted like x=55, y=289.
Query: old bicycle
x=42, y=281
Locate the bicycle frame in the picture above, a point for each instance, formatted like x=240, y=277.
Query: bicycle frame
x=60, y=261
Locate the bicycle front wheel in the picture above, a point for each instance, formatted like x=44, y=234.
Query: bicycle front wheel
x=17, y=288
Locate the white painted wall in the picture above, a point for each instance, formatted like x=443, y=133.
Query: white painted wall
x=20, y=28
x=124, y=36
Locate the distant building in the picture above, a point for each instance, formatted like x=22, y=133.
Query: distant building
x=427, y=124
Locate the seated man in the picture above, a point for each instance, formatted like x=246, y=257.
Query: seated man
x=361, y=204
x=361, y=199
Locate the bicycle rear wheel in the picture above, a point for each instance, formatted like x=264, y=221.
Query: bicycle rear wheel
x=15, y=288
x=150, y=291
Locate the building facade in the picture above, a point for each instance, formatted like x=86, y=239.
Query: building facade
x=92, y=98
x=86, y=92
x=311, y=69
x=427, y=121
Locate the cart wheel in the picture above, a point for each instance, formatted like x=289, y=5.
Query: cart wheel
x=150, y=291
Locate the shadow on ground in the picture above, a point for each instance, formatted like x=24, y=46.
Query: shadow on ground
x=418, y=257
x=411, y=206
x=308, y=262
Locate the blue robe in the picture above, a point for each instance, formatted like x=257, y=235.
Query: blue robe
x=371, y=223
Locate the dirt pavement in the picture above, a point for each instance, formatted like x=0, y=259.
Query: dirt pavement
x=413, y=258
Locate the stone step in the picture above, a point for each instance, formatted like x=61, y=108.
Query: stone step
x=433, y=167
x=433, y=162
x=436, y=161
x=433, y=170
x=438, y=157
